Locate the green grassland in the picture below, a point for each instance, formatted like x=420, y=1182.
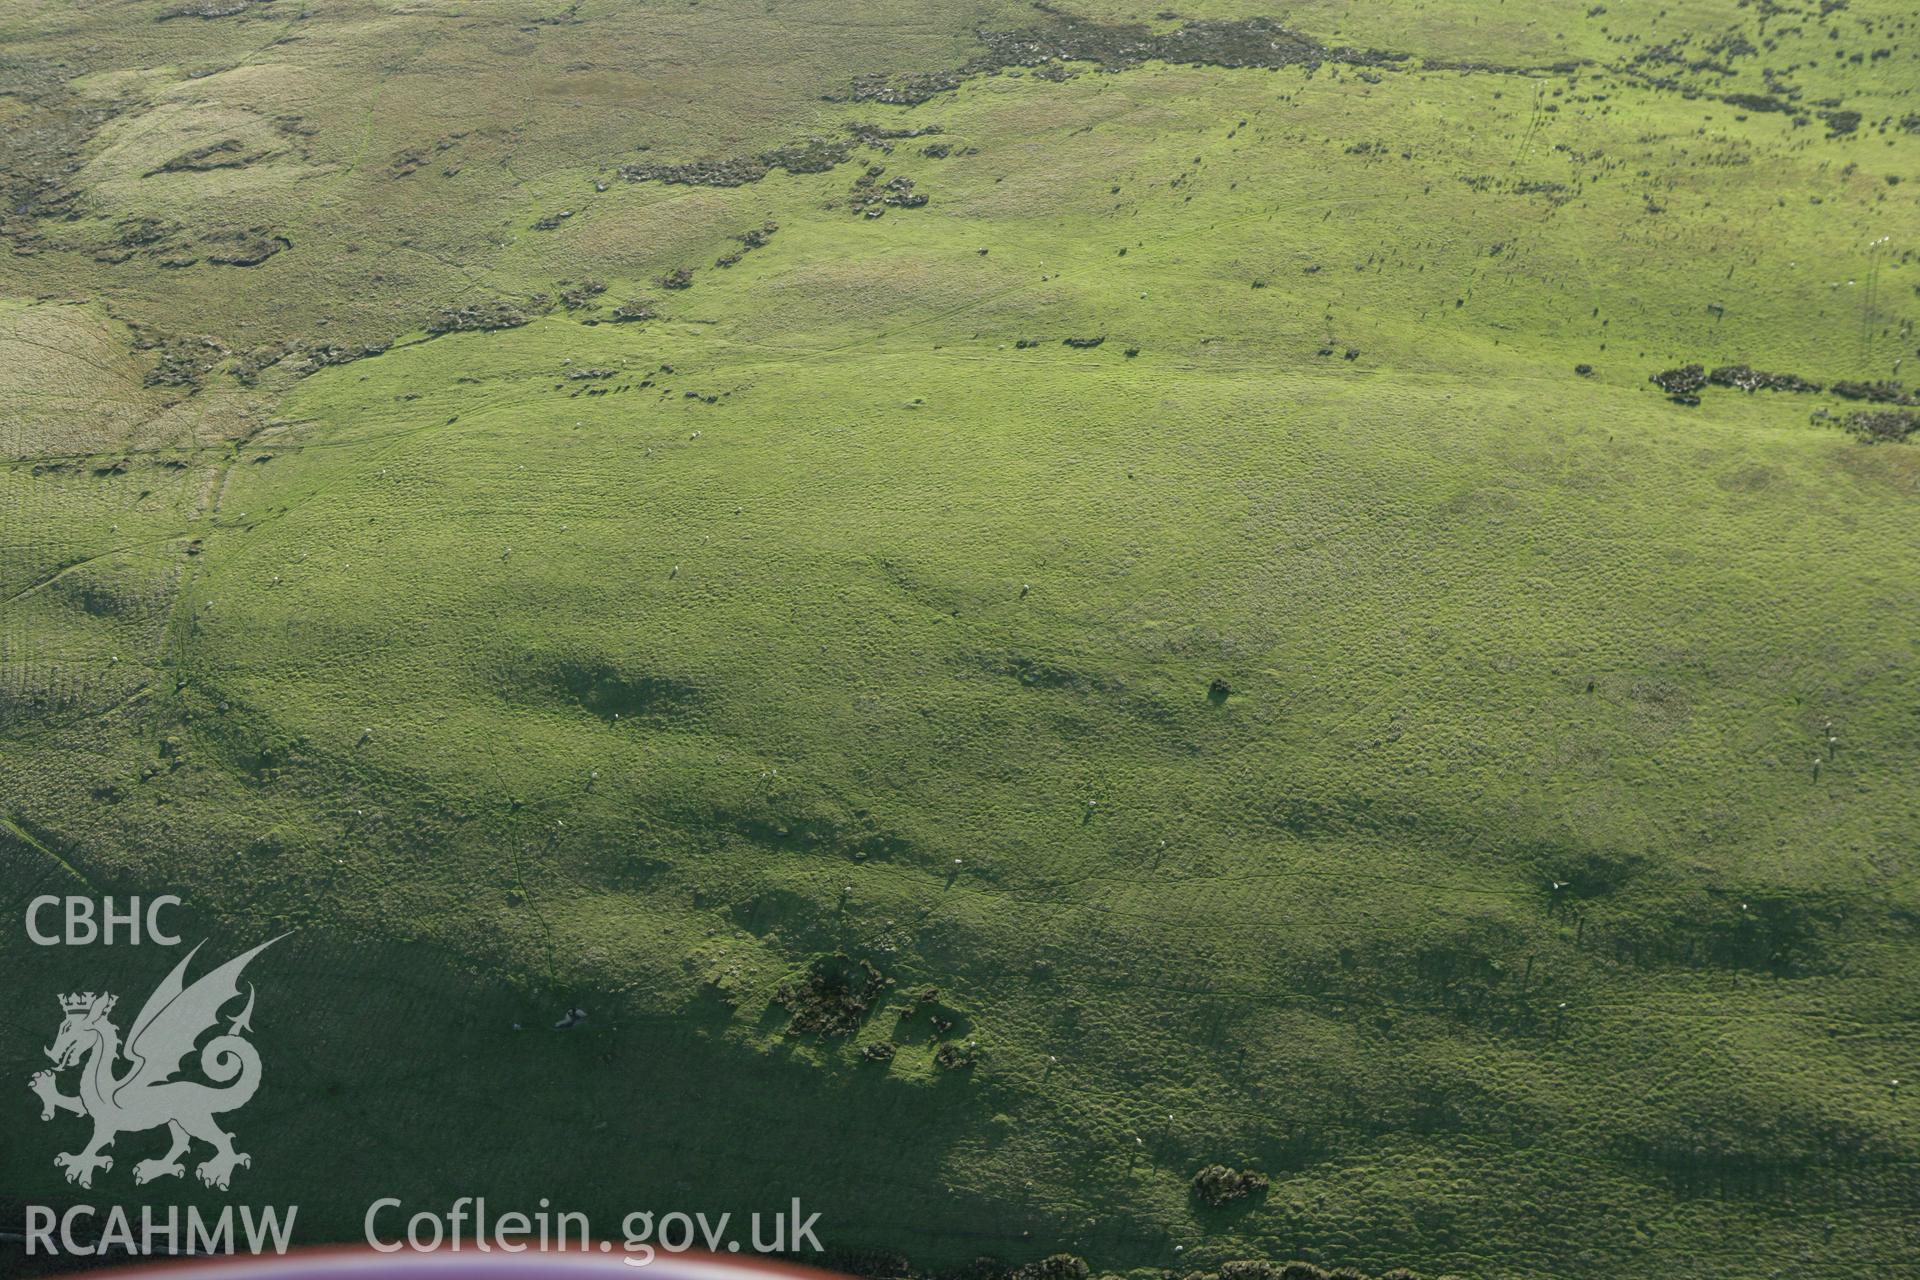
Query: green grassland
x=1313, y=730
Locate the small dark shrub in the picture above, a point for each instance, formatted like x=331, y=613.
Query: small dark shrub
x=1684, y=381
x=1217, y=1185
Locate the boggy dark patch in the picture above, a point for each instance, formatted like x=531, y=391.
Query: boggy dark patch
x=1883, y=392
x=1482, y=66
x=859, y=836
x=607, y=691
x=926, y=1018
x=244, y=247
x=1476, y=974
x=144, y=232
x=206, y=9
x=778, y=911
x=1045, y=673
x=1684, y=383
x=1745, y=378
x=493, y=314
x=1218, y=1186
x=1584, y=875
x=1840, y=123
x=43, y=141
x=1064, y=37
x=182, y=361
x=610, y=694
x=872, y=198
x=99, y=597
x=833, y=998
x=611, y=860
x=1727, y=1146
x=313, y=358
x=883, y=138
x=755, y=238
x=1338, y=811
x=1785, y=936
x=577, y=297
x=813, y=155
x=228, y=153
x=1246, y=42
x=1883, y=426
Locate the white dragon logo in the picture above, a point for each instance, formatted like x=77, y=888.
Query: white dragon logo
x=145, y=1096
